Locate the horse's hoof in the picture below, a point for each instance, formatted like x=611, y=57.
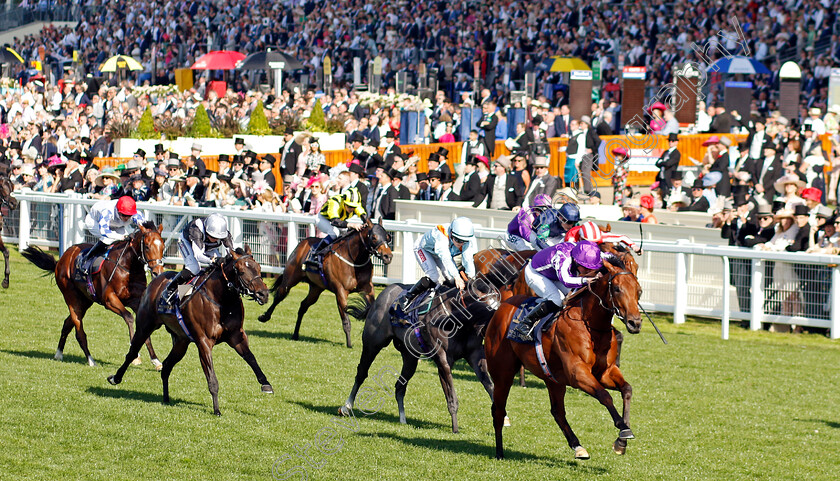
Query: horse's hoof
x=295, y=337
x=618, y=447
x=91, y=362
x=137, y=361
x=344, y=410
x=59, y=356
x=113, y=380
x=263, y=318
x=158, y=365
x=507, y=422
x=625, y=434
x=266, y=388
x=5, y=284
x=581, y=453
x=217, y=413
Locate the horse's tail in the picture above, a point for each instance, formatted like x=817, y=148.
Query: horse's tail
x=40, y=258
x=358, y=307
x=278, y=281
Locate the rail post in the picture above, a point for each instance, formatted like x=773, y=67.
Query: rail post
x=834, y=331
x=757, y=295
x=680, y=285
x=724, y=318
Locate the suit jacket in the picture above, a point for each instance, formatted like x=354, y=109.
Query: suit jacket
x=488, y=125
x=389, y=153
x=802, y=241
x=388, y=207
x=604, y=128
x=472, y=191
x=546, y=184
x=514, y=190
x=667, y=163
x=721, y=164
x=773, y=173
x=700, y=204
x=561, y=126
x=722, y=124
x=288, y=163
x=270, y=180
x=448, y=194
x=363, y=190
x=430, y=194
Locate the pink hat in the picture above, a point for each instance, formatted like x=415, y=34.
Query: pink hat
x=811, y=193
x=646, y=201
x=54, y=160
x=312, y=180
x=484, y=159
x=711, y=141
x=657, y=106
x=620, y=151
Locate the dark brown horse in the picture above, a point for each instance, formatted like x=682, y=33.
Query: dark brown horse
x=118, y=285
x=347, y=268
x=6, y=199
x=212, y=314
x=580, y=351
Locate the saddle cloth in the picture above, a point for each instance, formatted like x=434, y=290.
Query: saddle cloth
x=91, y=266
x=521, y=313
x=419, y=306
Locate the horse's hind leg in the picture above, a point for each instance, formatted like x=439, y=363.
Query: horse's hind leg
x=205, y=355
x=292, y=275
x=341, y=300
x=114, y=304
x=6, y=273
x=179, y=348
x=239, y=342
x=557, y=395
x=78, y=307
x=145, y=328
x=409, y=367
x=446, y=382
x=502, y=368
x=65, y=331
x=311, y=298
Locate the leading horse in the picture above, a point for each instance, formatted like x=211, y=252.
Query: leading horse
x=346, y=268
x=580, y=351
x=212, y=314
x=118, y=285
x=6, y=199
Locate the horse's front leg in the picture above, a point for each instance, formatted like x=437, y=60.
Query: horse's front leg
x=581, y=378
x=613, y=379
x=6, y=262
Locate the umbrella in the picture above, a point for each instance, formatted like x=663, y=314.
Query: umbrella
x=120, y=62
x=739, y=65
x=267, y=61
x=8, y=55
x=556, y=63
x=218, y=60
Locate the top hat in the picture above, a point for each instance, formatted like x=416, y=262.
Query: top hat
x=159, y=149
x=801, y=209
x=357, y=169
x=672, y=137
x=434, y=157
x=270, y=159
x=238, y=141
x=224, y=158
x=442, y=151
x=141, y=153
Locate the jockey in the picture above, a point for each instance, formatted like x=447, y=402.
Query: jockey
x=435, y=252
x=551, y=226
x=201, y=243
x=109, y=221
x=553, y=272
x=591, y=232
x=334, y=214
x=521, y=228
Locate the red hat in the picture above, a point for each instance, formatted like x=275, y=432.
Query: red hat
x=711, y=141
x=657, y=105
x=811, y=193
x=620, y=151
x=646, y=201
x=484, y=159
x=126, y=206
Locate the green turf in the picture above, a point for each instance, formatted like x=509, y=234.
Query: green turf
x=759, y=406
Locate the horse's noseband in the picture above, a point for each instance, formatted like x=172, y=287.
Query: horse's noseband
x=611, y=307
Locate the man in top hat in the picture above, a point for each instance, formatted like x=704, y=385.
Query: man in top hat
x=238, y=168
x=194, y=161
x=193, y=193
x=137, y=188
x=173, y=166
x=812, y=145
x=433, y=189
x=488, y=124
x=239, y=146
x=357, y=174
x=87, y=155
x=721, y=164
x=289, y=155
x=765, y=171
x=757, y=135
x=446, y=182
x=396, y=191
x=436, y=162
x=224, y=164
x=504, y=191
x=677, y=189
x=668, y=163
x=140, y=156
x=541, y=183
x=14, y=151
x=73, y=179
x=472, y=189
x=160, y=154
x=383, y=184
x=266, y=165
x=391, y=148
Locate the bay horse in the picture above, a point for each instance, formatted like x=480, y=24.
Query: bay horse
x=6, y=199
x=580, y=351
x=346, y=268
x=452, y=329
x=212, y=314
x=118, y=285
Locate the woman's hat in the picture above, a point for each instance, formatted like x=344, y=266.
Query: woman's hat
x=99, y=181
x=788, y=179
x=784, y=214
x=657, y=106
x=712, y=178
x=711, y=141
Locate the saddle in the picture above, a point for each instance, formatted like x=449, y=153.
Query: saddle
x=83, y=272
x=419, y=306
x=521, y=313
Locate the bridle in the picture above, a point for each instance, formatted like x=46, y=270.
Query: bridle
x=6, y=197
x=371, y=246
x=142, y=254
x=239, y=285
x=610, y=305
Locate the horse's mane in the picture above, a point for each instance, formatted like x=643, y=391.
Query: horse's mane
x=614, y=260
x=148, y=225
x=240, y=251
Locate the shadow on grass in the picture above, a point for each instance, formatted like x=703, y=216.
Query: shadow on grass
x=116, y=392
x=288, y=337
x=378, y=416
x=463, y=371
x=831, y=424
x=465, y=446
x=68, y=358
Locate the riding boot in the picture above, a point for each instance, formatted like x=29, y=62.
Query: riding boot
x=94, y=251
x=420, y=287
x=527, y=325
x=183, y=277
x=317, y=250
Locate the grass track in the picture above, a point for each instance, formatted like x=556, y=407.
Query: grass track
x=760, y=406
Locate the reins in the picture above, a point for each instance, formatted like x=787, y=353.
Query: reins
x=370, y=250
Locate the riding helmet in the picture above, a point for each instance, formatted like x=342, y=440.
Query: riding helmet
x=126, y=206
x=216, y=226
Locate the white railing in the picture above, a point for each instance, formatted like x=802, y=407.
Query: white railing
x=677, y=277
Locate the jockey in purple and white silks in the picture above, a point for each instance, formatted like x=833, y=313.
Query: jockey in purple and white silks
x=521, y=229
x=553, y=272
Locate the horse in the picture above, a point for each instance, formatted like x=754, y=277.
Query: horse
x=346, y=268
x=453, y=326
x=118, y=285
x=580, y=351
x=213, y=313
x=6, y=198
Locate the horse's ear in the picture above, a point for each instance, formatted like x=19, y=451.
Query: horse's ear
x=160, y=229
x=608, y=228
x=380, y=221
x=247, y=249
